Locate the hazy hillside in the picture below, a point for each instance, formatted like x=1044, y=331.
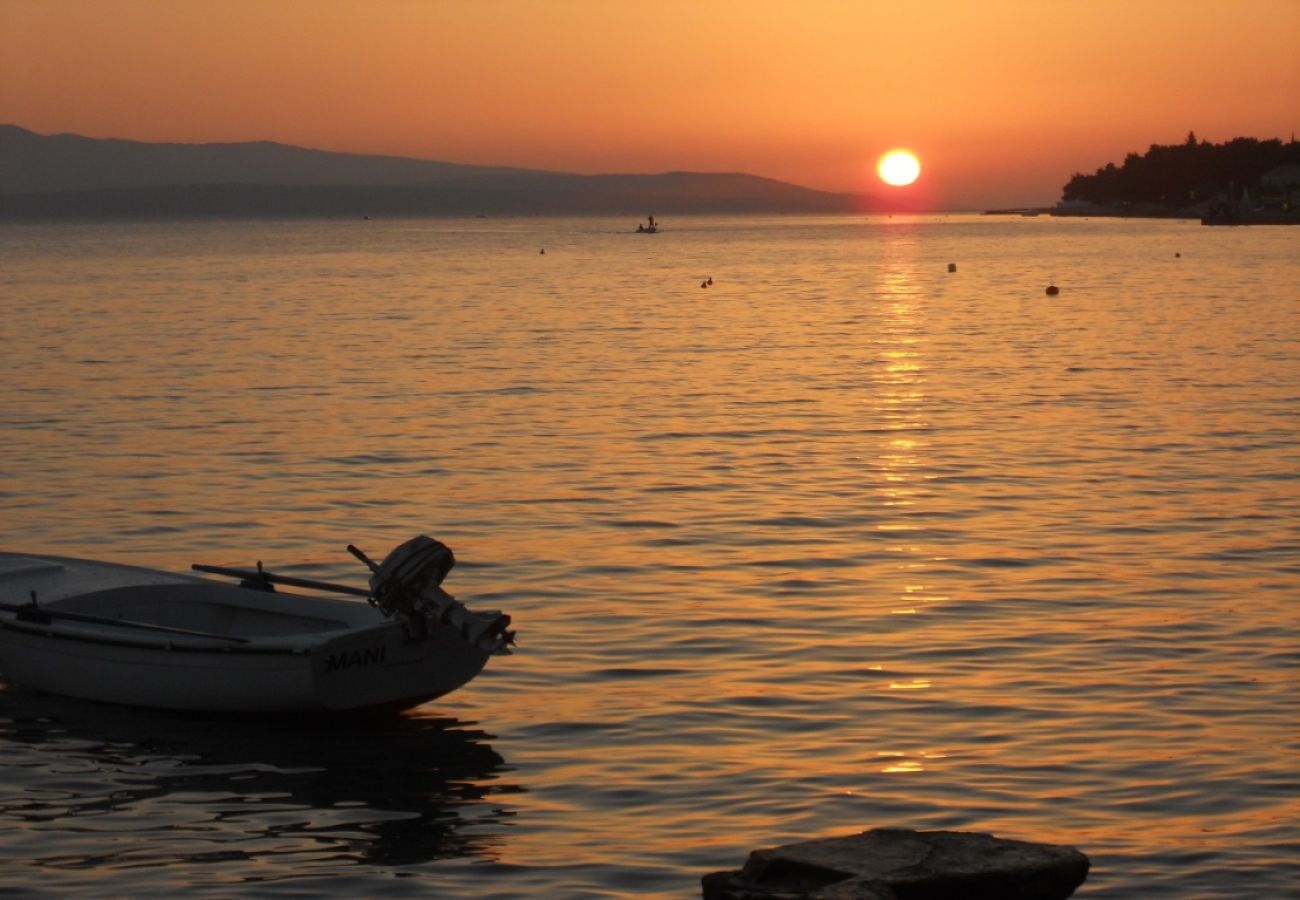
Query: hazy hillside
x=68, y=175
x=34, y=163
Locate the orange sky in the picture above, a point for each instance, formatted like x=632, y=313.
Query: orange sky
x=1002, y=99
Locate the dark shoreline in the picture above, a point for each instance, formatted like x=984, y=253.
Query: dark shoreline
x=1250, y=217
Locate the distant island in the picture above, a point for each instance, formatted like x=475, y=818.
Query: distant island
x=69, y=176
x=1241, y=181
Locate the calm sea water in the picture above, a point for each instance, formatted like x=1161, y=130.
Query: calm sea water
x=842, y=541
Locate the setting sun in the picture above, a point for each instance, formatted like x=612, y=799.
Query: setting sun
x=898, y=167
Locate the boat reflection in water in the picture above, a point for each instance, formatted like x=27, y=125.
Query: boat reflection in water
x=138, y=789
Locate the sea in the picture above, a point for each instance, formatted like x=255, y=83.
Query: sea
x=802, y=533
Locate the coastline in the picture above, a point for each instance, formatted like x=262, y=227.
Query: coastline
x=1206, y=216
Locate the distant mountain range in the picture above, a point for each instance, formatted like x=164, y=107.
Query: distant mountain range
x=67, y=175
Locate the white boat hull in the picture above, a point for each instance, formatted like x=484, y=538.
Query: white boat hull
x=139, y=637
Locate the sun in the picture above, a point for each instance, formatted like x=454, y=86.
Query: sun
x=899, y=167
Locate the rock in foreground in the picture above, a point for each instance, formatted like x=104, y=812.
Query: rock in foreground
x=900, y=864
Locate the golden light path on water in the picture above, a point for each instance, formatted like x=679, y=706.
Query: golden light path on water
x=844, y=540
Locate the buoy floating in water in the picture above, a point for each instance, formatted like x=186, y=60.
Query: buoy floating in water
x=952, y=267
x=1053, y=290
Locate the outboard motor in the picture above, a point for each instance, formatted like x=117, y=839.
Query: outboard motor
x=408, y=571
x=407, y=584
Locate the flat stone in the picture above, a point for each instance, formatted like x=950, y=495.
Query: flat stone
x=900, y=864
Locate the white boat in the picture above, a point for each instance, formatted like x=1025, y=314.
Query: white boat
x=142, y=637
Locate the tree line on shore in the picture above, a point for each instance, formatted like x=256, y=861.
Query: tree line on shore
x=1180, y=175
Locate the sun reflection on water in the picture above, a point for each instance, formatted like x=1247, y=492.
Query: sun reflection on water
x=898, y=378
x=899, y=402
x=916, y=684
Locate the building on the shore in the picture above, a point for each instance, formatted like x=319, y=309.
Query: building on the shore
x=1282, y=183
x=1281, y=177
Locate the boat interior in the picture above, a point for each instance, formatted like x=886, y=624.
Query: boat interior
x=221, y=609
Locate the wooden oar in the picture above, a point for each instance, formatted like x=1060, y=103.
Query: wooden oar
x=259, y=574
x=30, y=612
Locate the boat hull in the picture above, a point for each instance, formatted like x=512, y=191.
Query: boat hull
x=388, y=667
x=381, y=667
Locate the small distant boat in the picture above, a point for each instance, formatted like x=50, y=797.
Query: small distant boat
x=142, y=637
x=651, y=226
